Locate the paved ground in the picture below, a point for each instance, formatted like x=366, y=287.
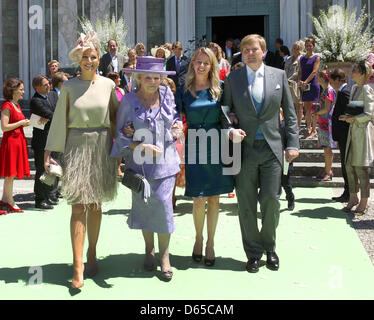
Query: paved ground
x=321, y=256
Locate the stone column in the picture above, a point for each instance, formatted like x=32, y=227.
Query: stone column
x=306, y=23
x=23, y=44
x=170, y=20
x=37, y=38
x=289, y=21
x=141, y=22
x=355, y=4
x=129, y=16
x=340, y=2
x=1, y=49
x=186, y=21
x=67, y=30
x=99, y=9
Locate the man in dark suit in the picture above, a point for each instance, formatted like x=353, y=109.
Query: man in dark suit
x=111, y=61
x=126, y=83
x=340, y=128
x=238, y=57
x=269, y=58
x=255, y=94
x=41, y=106
x=58, y=80
x=179, y=64
x=230, y=50
x=277, y=57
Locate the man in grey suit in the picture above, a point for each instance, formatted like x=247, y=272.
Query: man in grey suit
x=255, y=94
x=111, y=61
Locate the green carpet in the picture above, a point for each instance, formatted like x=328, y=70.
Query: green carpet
x=321, y=256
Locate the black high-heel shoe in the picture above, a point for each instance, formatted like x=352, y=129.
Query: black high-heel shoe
x=197, y=257
x=209, y=262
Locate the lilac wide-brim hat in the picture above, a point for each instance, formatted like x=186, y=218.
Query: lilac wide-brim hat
x=149, y=64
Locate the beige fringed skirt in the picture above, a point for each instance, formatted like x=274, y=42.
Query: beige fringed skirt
x=89, y=171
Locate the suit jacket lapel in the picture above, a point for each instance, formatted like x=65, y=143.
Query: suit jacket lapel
x=269, y=86
x=245, y=88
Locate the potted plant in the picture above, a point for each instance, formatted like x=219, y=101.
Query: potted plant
x=107, y=29
x=341, y=37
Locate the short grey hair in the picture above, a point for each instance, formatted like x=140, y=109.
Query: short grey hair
x=137, y=76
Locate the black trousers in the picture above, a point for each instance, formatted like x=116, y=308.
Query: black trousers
x=41, y=190
x=342, y=147
x=286, y=185
x=55, y=188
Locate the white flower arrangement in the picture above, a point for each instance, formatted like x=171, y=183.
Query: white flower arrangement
x=106, y=30
x=341, y=36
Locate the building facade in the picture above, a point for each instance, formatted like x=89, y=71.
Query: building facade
x=33, y=32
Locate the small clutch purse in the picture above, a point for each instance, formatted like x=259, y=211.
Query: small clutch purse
x=132, y=180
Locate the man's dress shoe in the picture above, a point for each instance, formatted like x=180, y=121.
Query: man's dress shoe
x=342, y=198
x=291, y=205
x=43, y=205
x=272, y=261
x=253, y=265
x=51, y=202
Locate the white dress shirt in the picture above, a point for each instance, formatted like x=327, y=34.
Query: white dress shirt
x=115, y=62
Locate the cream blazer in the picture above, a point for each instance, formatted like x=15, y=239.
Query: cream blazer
x=360, y=142
x=291, y=67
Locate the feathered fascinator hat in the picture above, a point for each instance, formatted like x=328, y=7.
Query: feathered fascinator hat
x=84, y=42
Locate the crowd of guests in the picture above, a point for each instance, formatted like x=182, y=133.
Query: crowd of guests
x=91, y=124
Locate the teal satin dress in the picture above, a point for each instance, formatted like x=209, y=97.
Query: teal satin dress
x=203, y=178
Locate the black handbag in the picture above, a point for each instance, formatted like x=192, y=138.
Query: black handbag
x=354, y=110
x=132, y=180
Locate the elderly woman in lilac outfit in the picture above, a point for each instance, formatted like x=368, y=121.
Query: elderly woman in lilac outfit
x=147, y=124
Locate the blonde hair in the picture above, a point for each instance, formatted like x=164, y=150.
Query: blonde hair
x=137, y=47
x=52, y=62
x=253, y=37
x=299, y=45
x=213, y=77
x=168, y=82
x=211, y=45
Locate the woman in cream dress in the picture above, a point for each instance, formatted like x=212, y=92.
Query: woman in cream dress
x=83, y=128
x=360, y=144
x=292, y=67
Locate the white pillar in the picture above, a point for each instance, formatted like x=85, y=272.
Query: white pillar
x=37, y=39
x=67, y=30
x=186, y=21
x=306, y=23
x=23, y=45
x=355, y=4
x=170, y=20
x=129, y=16
x=141, y=22
x=289, y=21
x=340, y=2
x=99, y=9
x=1, y=50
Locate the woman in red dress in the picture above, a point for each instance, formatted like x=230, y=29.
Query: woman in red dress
x=13, y=150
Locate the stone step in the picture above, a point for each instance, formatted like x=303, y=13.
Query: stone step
x=316, y=155
x=309, y=144
x=305, y=182
x=307, y=169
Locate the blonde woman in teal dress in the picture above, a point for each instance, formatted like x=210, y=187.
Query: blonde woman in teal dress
x=199, y=100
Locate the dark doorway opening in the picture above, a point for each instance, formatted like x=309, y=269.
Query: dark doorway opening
x=236, y=27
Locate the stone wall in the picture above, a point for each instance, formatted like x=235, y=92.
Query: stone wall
x=10, y=38
x=155, y=23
